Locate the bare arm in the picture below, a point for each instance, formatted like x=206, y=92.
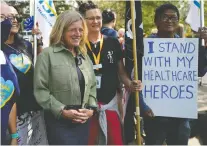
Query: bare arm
x=13, y=123
x=123, y=75
x=135, y=85
x=203, y=33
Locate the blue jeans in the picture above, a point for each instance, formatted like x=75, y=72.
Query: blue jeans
x=176, y=131
x=64, y=132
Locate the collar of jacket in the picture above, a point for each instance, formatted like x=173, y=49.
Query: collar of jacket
x=58, y=48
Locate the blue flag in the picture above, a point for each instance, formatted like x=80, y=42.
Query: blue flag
x=29, y=23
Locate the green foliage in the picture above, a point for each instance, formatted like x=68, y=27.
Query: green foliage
x=148, y=9
x=148, y=12
x=117, y=6
x=60, y=6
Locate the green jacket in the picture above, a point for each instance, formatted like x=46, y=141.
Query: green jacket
x=56, y=81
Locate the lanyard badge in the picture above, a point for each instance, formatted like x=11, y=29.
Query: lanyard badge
x=96, y=59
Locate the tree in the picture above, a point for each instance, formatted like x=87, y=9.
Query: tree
x=117, y=6
x=148, y=12
x=148, y=9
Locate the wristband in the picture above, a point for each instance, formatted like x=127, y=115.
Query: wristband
x=15, y=135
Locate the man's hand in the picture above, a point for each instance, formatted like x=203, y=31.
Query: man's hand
x=135, y=85
x=149, y=113
x=203, y=33
x=36, y=30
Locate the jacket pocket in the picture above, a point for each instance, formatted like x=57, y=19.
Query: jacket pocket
x=60, y=78
x=67, y=97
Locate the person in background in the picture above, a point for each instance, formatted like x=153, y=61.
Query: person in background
x=106, y=55
x=121, y=37
x=64, y=82
x=175, y=131
x=202, y=56
x=35, y=30
x=8, y=84
x=20, y=54
x=109, y=22
x=198, y=126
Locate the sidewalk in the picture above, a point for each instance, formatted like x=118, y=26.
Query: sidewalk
x=194, y=141
x=202, y=104
x=202, y=94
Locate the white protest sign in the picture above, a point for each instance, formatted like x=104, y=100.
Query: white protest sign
x=169, y=75
x=31, y=129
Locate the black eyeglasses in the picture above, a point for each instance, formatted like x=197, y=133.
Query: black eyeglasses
x=166, y=18
x=11, y=18
x=93, y=18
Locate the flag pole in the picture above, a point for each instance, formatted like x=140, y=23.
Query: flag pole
x=202, y=18
x=138, y=134
x=35, y=36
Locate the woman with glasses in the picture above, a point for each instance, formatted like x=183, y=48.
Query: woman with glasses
x=8, y=84
x=106, y=55
x=19, y=53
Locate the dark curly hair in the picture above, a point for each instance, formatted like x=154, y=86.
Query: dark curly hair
x=85, y=6
x=108, y=16
x=161, y=9
x=21, y=45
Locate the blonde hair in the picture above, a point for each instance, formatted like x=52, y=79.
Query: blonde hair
x=64, y=20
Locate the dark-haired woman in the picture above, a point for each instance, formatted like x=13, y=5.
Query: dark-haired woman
x=106, y=55
x=109, y=22
x=9, y=87
x=19, y=53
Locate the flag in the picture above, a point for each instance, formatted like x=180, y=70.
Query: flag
x=29, y=23
x=129, y=105
x=128, y=38
x=193, y=17
x=45, y=17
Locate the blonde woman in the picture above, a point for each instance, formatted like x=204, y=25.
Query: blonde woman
x=65, y=83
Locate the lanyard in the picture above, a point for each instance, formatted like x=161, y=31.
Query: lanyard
x=96, y=59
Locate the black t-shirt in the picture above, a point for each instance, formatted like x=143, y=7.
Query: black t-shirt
x=111, y=54
x=78, y=61
x=24, y=69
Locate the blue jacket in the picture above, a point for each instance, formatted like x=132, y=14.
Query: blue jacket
x=109, y=32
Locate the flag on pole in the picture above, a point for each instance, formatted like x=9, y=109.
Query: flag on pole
x=193, y=17
x=129, y=102
x=129, y=38
x=45, y=17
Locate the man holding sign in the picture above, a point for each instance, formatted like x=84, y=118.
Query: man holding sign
x=170, y=70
